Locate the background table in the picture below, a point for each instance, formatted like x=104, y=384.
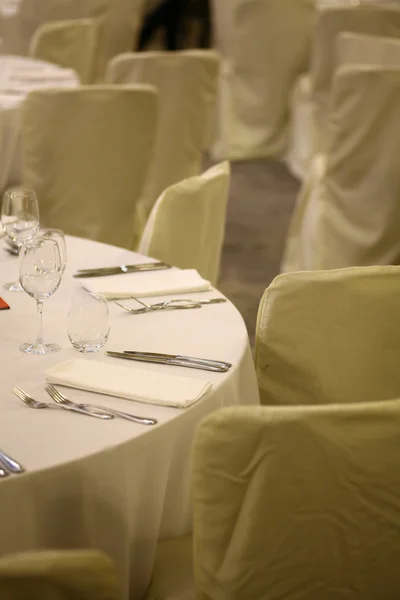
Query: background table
x=116, y=486
x=18, y=77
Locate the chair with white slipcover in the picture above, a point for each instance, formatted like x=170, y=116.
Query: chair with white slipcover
x=187, y=224
x=348, y=210
x=86, y=153
x=264, y=45
x=187, y=85
x=71, y=44
x=299, y=502
x=312, y=92
x=327, y=337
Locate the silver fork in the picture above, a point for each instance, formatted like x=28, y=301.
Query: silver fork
x=151, y=308
x=63, y=400
x=32, y=403
x=188, y=301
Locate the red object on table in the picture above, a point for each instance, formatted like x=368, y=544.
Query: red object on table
x=3, y=304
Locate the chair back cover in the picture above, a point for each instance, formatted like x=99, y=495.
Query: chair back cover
x=375, y=19
x=328, y=337
x=187, y=85
x=187, y=224
x=359, y=49
x=71, y=44
x=86, y=153
x=348, y=211
x=58, y=575
x=264, y=46
x=300, y=503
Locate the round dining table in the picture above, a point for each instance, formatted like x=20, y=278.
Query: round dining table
x=113, y=485
x=18, y=77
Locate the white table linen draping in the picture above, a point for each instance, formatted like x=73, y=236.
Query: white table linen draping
x=19, y=76
x=116, y=486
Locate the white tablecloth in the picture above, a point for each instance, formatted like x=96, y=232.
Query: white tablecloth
x=116, y=486
x=19, y=76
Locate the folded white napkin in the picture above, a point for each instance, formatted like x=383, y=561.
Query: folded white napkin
x=149, y=283
x=129, y=382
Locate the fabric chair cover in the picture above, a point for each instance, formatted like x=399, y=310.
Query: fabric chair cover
x=119, y=23
x=70, y=44
x=265, y=45
x=187, y=86
x=301, y=503
x=311, y=96
x=348, y=212
x=359, y=49
x=187, y=224
x=58, y=575
x=119, y=32
x=329, y=337
x=86, y=153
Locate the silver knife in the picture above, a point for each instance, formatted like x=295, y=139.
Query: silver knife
x=170, y=361
x=105, y=271
x=207, y=361
x=10, y=463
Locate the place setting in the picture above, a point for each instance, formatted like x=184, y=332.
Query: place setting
x=42, y=256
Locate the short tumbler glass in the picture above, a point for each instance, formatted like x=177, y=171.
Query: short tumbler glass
x=88, y=322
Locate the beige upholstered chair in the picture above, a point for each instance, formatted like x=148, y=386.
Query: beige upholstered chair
x=329, y=337
x=300, y=503
x=72, y=44
x=187, y=86
x=86, y=153
x=58, y=575
x=264, y=45
x=119, y=31
x=312, y=92
x=187, y=224
x=360, y=49
x=348, y=211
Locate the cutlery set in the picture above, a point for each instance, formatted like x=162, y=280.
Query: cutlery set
x=61, y=402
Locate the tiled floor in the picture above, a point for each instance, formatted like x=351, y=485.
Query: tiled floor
x=261, y=201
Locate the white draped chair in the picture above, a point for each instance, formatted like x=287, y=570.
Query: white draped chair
x=187, y=224
x=58, y=575
x=187, y=85
x=348, y=211
x=300, y=503
x=71, y=43
x=328, y=337
x=119, y=22
x=311, y=94
x=86, y=153
x=264, y=45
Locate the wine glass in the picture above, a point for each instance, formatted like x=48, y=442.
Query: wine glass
x=58, y=236
x=40, y=276
x=20, y=220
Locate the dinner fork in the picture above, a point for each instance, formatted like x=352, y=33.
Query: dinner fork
x=32, y=403
x=63, y=400
x=188, y=301
x=151, y=308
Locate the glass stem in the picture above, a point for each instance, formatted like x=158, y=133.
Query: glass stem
x=39, y=339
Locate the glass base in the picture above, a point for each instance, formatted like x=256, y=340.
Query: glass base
x=44, y=348
x=13, y=287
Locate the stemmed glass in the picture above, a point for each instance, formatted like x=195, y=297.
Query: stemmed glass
x=59, y=237
x=40, y=276
x=20, y=220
